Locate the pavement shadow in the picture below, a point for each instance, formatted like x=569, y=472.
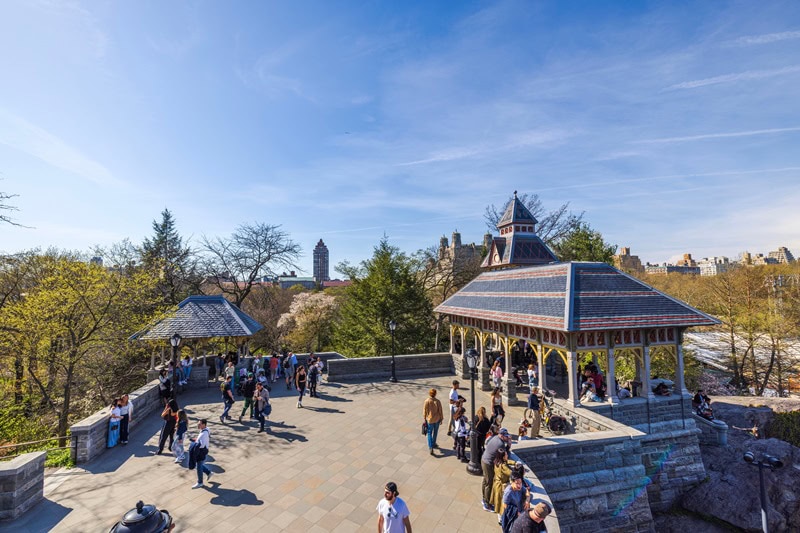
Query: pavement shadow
x=42, y=517
x=332, y=398
x=232, y=497
x=322, y=409
x=288, y=436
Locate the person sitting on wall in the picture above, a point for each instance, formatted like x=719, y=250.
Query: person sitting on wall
x=662, y=390
x=699, y=398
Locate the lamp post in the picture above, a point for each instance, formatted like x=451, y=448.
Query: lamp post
x=767, y=461
x=474, y=466
x=175, y=341
x=392, y=327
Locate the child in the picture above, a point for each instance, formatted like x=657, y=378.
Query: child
x=461, y=426
x=523, y=430
x=183, y=425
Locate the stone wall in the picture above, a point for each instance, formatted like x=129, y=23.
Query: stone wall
x=673, y=464
x=595, y=483
x=90, y=435
x=21, y=484
x=712, y=432
x=428, y=364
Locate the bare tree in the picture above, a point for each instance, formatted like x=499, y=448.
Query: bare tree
x=235, y=264
x=553, y=225
x=5, y=207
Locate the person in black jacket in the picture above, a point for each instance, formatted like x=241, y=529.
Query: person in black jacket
x=248, y=390
x=533, y=520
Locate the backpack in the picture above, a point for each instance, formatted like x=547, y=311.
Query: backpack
x=509, y=516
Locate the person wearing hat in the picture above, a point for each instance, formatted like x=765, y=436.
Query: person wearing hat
x=533, y=520
x=493, y=445
x=248, y=390
x=393, y=512
x=432, y=414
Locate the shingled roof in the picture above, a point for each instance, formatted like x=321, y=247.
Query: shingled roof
x=202, y=317
x=570, y=297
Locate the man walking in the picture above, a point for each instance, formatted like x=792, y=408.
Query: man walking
x=227, y=398
x=393, y=512
x=248, y=390
x=263, y=407
x=200, y=453
x=432, y=414
x=501, y=440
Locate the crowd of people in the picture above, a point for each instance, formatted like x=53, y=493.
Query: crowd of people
x=503, y=487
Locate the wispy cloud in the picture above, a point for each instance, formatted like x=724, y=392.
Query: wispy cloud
x=20, y=134
x=767, y=38
x=738, y=76
x=717, y=136
x=519, y=140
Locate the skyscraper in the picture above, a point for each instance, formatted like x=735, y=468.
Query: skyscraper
x=321, y=262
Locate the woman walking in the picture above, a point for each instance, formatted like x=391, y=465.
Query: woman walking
x=183, y=425
x=300, y=380
x=126, y=411
x=497, y=374
x=170, y=416
x=498, y=413
x=432, y=413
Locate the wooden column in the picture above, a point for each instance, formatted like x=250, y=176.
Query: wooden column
x=572, y=370
x=646, y=370
x=681, y=380
x=611, y=385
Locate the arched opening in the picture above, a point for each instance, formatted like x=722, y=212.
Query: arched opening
x=557, y=375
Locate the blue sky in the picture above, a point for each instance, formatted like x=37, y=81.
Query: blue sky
x=674, y=126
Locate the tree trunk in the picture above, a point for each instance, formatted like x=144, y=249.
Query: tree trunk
x=19, y=375
x=63, y=416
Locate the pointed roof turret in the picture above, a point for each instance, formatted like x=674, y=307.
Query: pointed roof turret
x=518, y=244
x=516, y=213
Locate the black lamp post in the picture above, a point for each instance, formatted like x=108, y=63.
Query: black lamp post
x=392, y=327
x=767, y=461
x=474, y=466
x=175, y=341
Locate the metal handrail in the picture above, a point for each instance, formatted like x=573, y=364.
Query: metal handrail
x=18, y=444
x=46, y=450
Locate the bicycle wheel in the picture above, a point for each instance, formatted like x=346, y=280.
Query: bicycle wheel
x=528, y=415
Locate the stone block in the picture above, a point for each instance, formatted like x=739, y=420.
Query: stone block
x=592, y=506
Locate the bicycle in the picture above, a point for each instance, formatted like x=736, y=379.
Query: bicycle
x=557, y=424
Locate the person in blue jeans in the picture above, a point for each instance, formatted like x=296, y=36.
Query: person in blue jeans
x=201, y=452
x=432, y=414
x=227, y=398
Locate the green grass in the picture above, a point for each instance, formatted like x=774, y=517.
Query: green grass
x=59, y=457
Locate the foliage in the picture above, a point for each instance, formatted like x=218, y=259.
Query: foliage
x=553, y=225
x=175, y=262
x=67, y=336
x=785, y=426
x=266, y=304
x=309, y=321
x=582, y=243
x=234, y=265
x=385, y=287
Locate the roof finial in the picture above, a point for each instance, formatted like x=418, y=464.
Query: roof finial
x=515, y=194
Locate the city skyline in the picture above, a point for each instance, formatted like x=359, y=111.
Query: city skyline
x=672, y=127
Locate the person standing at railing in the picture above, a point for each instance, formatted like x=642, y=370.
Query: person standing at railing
x=126, y=411
x=113, y=424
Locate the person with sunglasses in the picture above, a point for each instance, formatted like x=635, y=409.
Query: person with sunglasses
x=393, y=512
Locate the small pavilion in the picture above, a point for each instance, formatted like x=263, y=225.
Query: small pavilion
x=199, y=319
x=570, y=310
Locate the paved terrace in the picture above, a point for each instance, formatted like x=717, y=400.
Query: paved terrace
x=317, y=469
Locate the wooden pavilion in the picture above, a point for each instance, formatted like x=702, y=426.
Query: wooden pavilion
x=570, y=310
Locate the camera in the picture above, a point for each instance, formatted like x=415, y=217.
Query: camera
x=749, y=457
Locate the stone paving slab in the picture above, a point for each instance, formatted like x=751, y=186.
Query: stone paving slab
x=317, y=469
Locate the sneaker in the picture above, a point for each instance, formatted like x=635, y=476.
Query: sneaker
x=486, y=507
x=240, y=419
x=197, y=485
x=299, y=405
x=222, y=420
x=209, y=476
x=431, y=451
x=178, y=460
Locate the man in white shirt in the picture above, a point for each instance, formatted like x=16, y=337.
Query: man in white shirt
x=201, y=453
x=393, y=512
x=453, y=406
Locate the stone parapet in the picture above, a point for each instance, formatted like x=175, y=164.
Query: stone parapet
x=21, y=484
x=90, y=435
x=406, y=366
x=712, y=432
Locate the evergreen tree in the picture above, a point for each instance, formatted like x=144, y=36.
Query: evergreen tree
x=174, y=261
x=584, y=244
x=385, y=287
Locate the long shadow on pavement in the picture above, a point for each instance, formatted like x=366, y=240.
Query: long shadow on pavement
x=42, y=517
x=232, y=497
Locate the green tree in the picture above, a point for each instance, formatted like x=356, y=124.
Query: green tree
x=166, y=253
x=582, y=243
x=385, y=287
x=71, y=328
